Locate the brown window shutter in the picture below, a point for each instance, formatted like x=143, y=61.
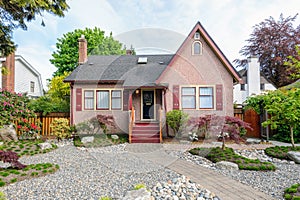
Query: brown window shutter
x=219, y=97
x=78, y=99
x=175, y=97
x=125, y=100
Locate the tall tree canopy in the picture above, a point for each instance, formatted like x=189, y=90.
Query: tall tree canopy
x=272, y=42
x=15, y=13
x=65, y=58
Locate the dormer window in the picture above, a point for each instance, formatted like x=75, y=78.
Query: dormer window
x=197, y=48
x=197, y=36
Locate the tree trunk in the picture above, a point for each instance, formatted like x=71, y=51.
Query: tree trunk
x=292, y=136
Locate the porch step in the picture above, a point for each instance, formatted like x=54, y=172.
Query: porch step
x=144, y=132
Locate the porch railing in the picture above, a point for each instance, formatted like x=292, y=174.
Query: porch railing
x=131, y=122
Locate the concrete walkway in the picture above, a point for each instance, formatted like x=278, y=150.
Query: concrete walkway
x=224, y=187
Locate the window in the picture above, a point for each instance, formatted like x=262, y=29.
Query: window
x=88, y=99
x=262, y=86
x=188, y=97
x=197, y=48
x=31, y=86
x=206, y=97
x=242, y=87
x=116, y=99
x=197, y=36
x=103, y=100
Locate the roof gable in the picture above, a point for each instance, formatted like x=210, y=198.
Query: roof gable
x=212, y=45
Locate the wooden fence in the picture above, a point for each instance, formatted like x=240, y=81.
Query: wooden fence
x=46, y=121
x=248, y=116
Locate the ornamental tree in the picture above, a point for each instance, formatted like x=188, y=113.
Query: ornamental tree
x=14, y=108
x=272, y=42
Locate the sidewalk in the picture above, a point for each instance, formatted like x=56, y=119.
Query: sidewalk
x=224, y=187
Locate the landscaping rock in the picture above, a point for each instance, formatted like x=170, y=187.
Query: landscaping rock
x=1, y=143
x=294, y=155
x=227, y=165
x=115, y=137
x=88, y=139
x=253, y=141
x=141, y=194
x=45, y=145
x=8, y=133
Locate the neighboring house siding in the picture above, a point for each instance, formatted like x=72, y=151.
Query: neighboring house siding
x=25, y=77
x=199, y=70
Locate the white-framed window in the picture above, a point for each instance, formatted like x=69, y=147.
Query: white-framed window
x=104, y=99
x=206, y=97
x=197, y=97
x=197, y=48
x=197, y=36
x=188, y=97
x=116, y=99
x=89, y=99
x=32, y=85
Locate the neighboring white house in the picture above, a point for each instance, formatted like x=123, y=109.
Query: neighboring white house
x=254, y=82
x=21, y=77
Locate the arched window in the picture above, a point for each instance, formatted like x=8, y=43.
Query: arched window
x=197, y=48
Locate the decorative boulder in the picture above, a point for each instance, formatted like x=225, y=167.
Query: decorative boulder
x=115, y=137
x=253, y=141
x=8, y=133
x=294, y=156
x=227, y=165
x=45, y=145
x=87, y=139
x=141, y=194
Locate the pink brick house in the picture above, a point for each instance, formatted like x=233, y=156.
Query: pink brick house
x=138, y=90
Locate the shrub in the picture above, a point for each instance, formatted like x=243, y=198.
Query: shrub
x=139, y=186
x=177, y=121
x=12, y=158
x=2, y=195
x=291, y=192
x=60, y=128
x=14, y=108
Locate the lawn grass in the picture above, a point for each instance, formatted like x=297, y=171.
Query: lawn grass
x=216, y=154
x=25, y=147
x=280, y=151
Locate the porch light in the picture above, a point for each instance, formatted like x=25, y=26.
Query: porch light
x=137, y=91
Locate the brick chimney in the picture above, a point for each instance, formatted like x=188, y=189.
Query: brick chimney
x=8, y=80
x=128, y=52
x=82, y=50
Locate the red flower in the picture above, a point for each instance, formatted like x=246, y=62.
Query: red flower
x=19, y=126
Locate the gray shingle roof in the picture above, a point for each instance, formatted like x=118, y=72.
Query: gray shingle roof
x=121, y=68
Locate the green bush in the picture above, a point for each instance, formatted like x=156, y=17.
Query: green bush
x=2, y=195
x=290, y=193
x=280, y=151
x=60, y=128
x=177, y=121
x=217, y=155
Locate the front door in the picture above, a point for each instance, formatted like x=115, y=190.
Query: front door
x=148, y=104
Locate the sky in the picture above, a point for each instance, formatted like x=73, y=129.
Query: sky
x=150, y=26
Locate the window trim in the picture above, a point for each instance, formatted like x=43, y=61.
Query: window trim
x=84, y=98
x=111, y=99
x=95, y=98
x=32, y=86
x=195, y=98
x=212, y=95
x=193, y=48
x=197, y=87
